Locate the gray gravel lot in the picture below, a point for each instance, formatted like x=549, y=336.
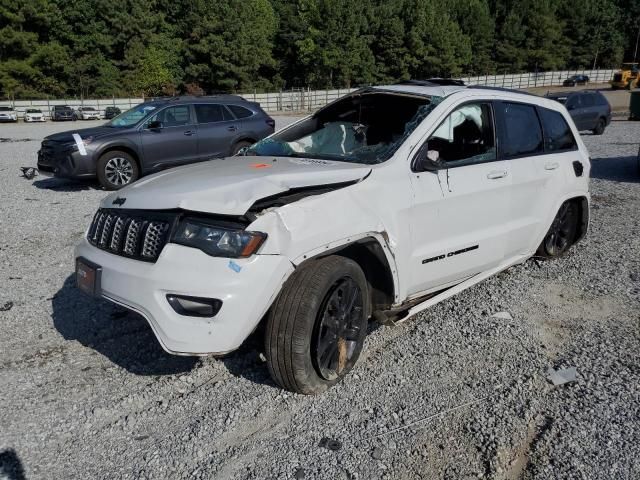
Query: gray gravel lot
x=87, y=392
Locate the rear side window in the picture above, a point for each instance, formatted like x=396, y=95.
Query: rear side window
x=557, y=134
x=588, y=100
x=240, y=112
x=574, y=102
x=600, y=100
x=521, y=130
x=210, y=113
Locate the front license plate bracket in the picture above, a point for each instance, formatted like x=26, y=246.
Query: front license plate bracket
x=88, y=277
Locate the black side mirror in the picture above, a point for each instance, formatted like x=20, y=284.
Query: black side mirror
x=155, y=125
x=429, y=161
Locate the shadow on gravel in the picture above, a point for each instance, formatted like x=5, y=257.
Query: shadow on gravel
x=10, y=465
x=247, y=362
x=123, y=337
x=618, y=169
x=64, y=185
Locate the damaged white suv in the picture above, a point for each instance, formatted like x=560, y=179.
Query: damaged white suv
x=377, y=206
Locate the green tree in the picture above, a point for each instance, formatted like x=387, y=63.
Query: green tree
x=229, y=44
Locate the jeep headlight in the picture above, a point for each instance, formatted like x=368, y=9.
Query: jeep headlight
x=216, y=240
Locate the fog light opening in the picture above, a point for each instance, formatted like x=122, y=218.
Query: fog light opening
x=194, y=306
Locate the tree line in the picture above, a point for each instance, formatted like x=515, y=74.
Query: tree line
x=56, y=48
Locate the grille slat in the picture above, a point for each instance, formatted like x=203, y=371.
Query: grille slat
x=130, y=233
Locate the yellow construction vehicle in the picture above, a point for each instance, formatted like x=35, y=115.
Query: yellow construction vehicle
x=627, y=77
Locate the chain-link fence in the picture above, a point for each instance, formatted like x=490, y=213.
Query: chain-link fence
x=306, y=100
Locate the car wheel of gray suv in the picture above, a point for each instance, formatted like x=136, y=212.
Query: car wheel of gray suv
x=239, y=146
x=116, y=170
x=317, y=325
x=601, y=125
x=562, y=233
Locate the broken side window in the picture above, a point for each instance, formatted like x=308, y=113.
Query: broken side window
x=466, y=136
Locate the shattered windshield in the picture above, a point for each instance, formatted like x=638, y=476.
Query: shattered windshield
x=367, y=127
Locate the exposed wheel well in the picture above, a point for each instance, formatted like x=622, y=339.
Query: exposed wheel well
x=125, y=149
x=245, y=139
x=369, y=255
x=583, y=215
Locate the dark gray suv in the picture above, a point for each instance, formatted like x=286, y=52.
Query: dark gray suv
x=589, y=109
x=155, y=135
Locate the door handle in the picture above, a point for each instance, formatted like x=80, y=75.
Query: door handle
x=188, y=133
x=232, y=128
x=551, y=166
x=496, y=174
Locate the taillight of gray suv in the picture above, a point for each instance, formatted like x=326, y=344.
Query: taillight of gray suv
x=153, y=136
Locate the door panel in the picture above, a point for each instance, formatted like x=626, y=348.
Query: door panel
x=577, y=111
x=459, y=211
x=522, y=140
x=218, y=130
x=462, y=232
x=175, y=142
x=551, y=172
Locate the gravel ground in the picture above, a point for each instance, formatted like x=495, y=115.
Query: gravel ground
x=86, y=391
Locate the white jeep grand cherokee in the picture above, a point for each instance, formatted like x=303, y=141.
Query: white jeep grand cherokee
x=378, y=206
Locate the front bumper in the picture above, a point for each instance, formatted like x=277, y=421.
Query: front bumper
x=66, y=162
x=141, y=286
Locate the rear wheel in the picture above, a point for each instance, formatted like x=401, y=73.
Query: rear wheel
x=116, y=170
x=562, y=233
x=600, y=126
x=317, y=325
x=239, y=146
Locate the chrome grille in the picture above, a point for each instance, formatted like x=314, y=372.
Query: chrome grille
x=130, y=233
x=133, y=236
x=153, y=240
x=116, y=236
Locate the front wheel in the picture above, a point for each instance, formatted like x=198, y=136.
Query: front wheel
x=116, y=170
x=562, y=233
x=317, y=325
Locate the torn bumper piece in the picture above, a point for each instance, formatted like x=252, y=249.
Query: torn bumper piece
x=245, y=289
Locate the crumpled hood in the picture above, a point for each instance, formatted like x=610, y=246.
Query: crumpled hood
x=230, y=186
x=94, y=132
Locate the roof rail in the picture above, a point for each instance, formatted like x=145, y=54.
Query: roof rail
x=433, y=82
x=501, y=89
x=177, y=98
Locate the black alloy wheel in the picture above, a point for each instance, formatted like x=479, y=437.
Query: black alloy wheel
x=317, y=325
x=337, y=339
x=562, y=233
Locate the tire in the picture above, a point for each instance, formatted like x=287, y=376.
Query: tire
x=313, y=338
x=600, y=126
x=117, y=169
x=562, y=233
x=239, y=146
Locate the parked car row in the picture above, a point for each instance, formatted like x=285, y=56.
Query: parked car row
x=58, y=113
